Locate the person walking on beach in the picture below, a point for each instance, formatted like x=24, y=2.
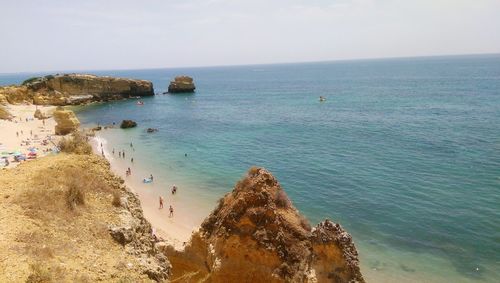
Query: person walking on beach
x=132, y=160
x=174, y=189
x=17, y=134
x=123, y=154
x=161, y=202
x=129, y=171
x=151, y=177
x=113, y=151
x=131, y=145
x=171, y=209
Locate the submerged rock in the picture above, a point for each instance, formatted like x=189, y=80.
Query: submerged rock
x=128, y=124
x=257, y=235
x=66, y=121
x=181, y=84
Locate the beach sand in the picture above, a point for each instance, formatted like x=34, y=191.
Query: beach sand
x=33, y=131
x=187, y=216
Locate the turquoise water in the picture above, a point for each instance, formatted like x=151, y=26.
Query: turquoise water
x=405, y=153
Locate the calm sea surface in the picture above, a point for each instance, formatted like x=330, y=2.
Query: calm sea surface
x=405, y=153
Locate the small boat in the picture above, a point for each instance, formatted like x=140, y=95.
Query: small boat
x=147, y=180
x=322, y=98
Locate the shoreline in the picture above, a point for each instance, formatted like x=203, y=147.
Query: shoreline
x=176, y=230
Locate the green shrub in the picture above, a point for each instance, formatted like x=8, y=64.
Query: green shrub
x=30, y=80
x=116, y=199
x=76, y=143
x=39, y=274
x=75, y=196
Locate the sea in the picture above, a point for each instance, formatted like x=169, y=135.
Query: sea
x=404, y=153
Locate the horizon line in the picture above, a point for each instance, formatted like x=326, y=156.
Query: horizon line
x=252, y=64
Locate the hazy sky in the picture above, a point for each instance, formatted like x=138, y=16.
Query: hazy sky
x=126, y=34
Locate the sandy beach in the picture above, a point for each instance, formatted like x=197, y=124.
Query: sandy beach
x=187, y=217
x=25, y=132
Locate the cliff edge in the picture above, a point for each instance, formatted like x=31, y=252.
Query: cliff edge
x=71, y=89
x=256, y=235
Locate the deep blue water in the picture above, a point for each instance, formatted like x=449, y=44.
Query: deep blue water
x=405, y=153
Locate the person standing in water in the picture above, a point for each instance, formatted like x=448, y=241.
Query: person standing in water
x=161, y=202
x=171, y=209
x=132, y=160
x=120, y=154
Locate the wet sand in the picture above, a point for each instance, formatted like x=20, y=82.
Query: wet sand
x=187, y=218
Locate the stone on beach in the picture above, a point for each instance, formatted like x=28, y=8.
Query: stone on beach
x=66, y=121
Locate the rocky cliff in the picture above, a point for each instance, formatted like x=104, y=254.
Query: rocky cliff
x=181, y=84
x=257, y=235
x=104, y=238
x=74, y=89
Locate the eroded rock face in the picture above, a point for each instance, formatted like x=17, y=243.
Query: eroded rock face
x=181, y=84
x=135, y=234
x=66, y=121
x=257, y=235
x=71, y=89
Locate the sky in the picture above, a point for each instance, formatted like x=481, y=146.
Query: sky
x=61, y=35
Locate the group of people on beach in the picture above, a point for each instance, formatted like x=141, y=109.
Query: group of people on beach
x=128, y=172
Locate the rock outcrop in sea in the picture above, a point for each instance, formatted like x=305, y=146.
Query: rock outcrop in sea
x=66, y=121
x=256, y=235
x=128, y=124
x=181, y=84
x=72, y=89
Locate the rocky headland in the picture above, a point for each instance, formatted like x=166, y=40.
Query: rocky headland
x=181, y=84
x=72, y=89
x=256, y=235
